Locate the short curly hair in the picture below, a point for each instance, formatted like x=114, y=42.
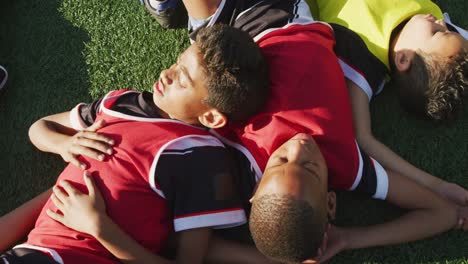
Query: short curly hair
x=433, y=87
x=237, y=73
x=286, y=229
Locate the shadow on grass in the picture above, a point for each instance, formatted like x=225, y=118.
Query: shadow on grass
x=48, y=74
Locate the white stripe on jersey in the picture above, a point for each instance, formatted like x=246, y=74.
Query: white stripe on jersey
x=192, y=141
x=381, y=188
x=52, y=252
x=248, y=9
x=381, y=86
x=75, y=118
x=218, y=220
x=358, y=177
x=244, y=151
x=303, y=12
x=356, y=78
x=168, y=152
x=460, y=30
x=304, y=22
x=382, y=181
x=185, y=142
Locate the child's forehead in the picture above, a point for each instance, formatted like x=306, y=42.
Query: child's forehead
x=192, y=49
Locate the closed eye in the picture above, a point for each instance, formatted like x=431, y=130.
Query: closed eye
x=311, y=167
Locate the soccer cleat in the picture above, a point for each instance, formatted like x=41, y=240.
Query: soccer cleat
x=168, y=13
x=3, y=77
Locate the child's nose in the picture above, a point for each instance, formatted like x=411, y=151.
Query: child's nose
x=295, y=152
x=442, y=23
x=166, y=77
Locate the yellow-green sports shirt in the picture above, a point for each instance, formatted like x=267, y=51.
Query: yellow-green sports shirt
x=374, y=20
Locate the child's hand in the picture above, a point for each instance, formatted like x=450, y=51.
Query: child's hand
x=462, y=218
x=334, y=242
x=454, y=193
x=87, y=143
x=79, y=211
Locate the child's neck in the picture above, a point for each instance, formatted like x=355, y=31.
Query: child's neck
x=193, y=122
x=163, y=114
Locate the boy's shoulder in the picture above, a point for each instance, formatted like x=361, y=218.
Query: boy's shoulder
x=131, y=102
x=359, y=64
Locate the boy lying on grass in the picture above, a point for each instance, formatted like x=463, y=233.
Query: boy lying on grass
x=154, y=162
x=307, y=97
x=423, y=51
x=298, y=185
x=426, y=56
x=292, y=206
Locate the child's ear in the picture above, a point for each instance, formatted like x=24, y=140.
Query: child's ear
x=404, y=59
x=331, y=205
x=213, y=118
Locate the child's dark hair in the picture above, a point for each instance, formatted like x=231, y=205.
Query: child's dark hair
x=433, y=88
x=286, y=229
x=238, y=79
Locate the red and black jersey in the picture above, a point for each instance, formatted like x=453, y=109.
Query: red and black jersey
x=358, y=63
x=308, y=93
x=164, y=174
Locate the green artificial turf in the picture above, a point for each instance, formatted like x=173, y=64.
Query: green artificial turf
x=59, y=53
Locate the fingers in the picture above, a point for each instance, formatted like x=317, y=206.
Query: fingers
x=89, y=181
x=88, y=152
x=75, y=161
x=89, y=144
x=57, y=202
x=58, y=195
x=323, y=248
x=96, y=137
x=95, y=141
x=56, y=216
x=97, y=125
x=462, y=224
x=71, y=191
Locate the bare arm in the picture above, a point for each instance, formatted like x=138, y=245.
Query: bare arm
x=229, y=252
x=12, y=229
x=55, y=134
x=201, y=9
x=86, y=213
x=124, y=247
x=48, y=133
x=429, y=214
x=194, y=246
x=388, y=158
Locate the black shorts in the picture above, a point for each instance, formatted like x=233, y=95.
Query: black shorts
x=25, y=256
